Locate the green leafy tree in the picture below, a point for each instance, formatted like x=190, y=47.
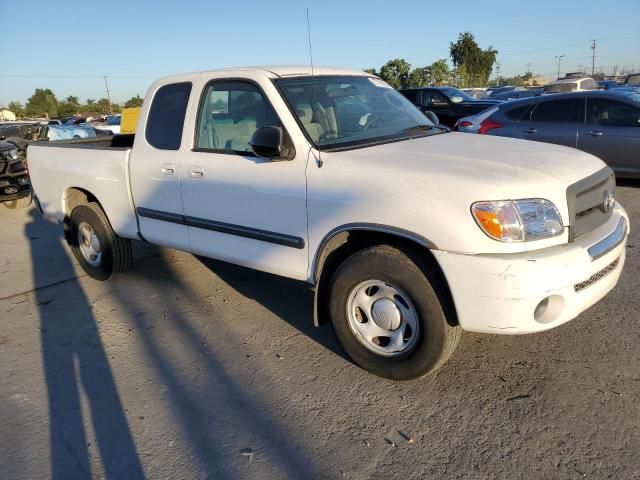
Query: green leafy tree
x=441, y=74
x=477, y=63
x=67, y=109
x=73, y=100
x=134, y=102
x=17, y=108
x=90, y=102
x=372, y=71
x=396, y=73
x=42, y=102
x=102, y=106
x=420, y=77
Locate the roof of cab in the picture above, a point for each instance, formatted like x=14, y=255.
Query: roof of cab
x=275, y=71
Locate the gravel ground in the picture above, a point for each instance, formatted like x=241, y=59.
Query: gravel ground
x=188, y=368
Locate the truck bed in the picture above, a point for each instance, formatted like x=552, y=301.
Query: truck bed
x=99, y=165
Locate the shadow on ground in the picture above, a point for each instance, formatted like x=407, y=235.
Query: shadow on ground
x=75, y=367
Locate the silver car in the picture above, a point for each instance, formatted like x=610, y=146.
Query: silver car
x=603, y=123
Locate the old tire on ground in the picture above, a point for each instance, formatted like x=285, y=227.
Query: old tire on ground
x=101, y=252
x=23, y=202
x=387, y=316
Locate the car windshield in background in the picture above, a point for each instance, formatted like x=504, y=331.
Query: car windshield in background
x=345, y=111
x=114, y=120
x=561, y=88
x=457, y=96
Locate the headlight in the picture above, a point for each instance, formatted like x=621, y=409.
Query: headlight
x=11, y=154
x=518, y=220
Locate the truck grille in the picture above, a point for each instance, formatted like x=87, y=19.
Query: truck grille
x=596, y=276
x=587, y=205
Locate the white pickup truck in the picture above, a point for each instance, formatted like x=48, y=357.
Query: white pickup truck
x=409, y=233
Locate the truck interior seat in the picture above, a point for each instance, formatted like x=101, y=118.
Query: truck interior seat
x=305, y=112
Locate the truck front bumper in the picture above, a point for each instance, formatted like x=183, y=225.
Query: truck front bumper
x=538, y=290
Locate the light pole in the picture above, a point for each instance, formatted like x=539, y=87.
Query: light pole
x=559, y=57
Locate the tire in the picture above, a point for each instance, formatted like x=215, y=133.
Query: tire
x=113, y=254
x=427, y=341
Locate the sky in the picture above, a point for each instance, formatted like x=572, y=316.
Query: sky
x=69, y=45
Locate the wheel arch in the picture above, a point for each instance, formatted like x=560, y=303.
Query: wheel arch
x=345, y=240
x=71, y=198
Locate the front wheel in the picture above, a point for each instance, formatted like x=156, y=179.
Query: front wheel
x=101, y=252
x=387, y=316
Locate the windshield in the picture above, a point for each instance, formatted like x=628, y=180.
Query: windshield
x=113, y=120
x=343, y=111
x=455, y=95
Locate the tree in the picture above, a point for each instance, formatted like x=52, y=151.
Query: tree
x=372, y=71
x=73, y=100
x=440, y=73
x=42, y=102
x=396, y=73
x=17, y=108
x=134, y=102
x=90, y=102
x=103, y=105
x=420, y=77
x=67, y=109
x=477, y=63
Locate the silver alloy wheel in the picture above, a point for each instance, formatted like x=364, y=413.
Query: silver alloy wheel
x=89, y=244
x=382, y=318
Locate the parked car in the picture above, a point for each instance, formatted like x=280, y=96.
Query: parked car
x=603, y=123
x=608, y=84
x=477, y=93
x=448, y=103
x=14, y=178
x=112, y=124
x=633, y=79
x=500, y=89
x=473, y=123
x=408, y=232
x=517, y=93
x=566, y=85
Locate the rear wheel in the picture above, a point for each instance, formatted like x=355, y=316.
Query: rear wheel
x=387, y=315
x=101, y=252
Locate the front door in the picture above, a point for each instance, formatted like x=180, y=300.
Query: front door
x=239, y=207
x=612, y=133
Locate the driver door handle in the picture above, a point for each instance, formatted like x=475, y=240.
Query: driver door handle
x=596, y=133
x=196, y=171
x=531, y=130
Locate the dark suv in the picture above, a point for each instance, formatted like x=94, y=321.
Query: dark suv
x=448, y=103
x=14, y=178
x=603, y=123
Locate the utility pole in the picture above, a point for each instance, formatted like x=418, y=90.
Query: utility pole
x=593, y=58
x=559, y=57
x=529, y=67
x=497, y=73
x=106, y=84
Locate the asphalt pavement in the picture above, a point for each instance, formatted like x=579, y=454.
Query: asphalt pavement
x=189, y=368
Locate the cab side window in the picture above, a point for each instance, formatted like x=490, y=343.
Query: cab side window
x=166, y=116
x=605, y=112
x=229, y=115
x=430, y=98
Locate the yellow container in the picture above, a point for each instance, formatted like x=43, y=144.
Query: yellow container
x=129, y=120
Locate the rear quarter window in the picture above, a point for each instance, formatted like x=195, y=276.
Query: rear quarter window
x=166, y=116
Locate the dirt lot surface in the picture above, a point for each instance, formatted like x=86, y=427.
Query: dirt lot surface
x=188, y=368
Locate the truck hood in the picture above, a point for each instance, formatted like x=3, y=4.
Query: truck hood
x=499, y=167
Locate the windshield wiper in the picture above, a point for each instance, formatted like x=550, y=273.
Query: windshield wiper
x=418, y=128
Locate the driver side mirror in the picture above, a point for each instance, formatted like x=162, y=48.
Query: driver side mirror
x=433, y=118
x=272, y=143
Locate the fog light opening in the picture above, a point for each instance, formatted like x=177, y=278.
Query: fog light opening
x=549, y=309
